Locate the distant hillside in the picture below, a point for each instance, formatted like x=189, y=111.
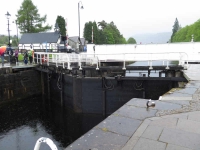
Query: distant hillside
x=153, y=38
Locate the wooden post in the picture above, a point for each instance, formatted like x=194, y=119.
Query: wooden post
x=48, y=89
x=103, y=97
x=42, y=84
x=104, y=102
x=61, y=90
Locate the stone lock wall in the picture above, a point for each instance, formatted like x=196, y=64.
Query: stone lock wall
x=21, y=85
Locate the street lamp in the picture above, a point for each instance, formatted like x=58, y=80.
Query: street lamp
x=17, y=31
x=8, y=17
x=79, y=18
x=192, y=40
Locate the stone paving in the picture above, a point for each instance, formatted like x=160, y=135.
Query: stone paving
x=173, y=124
x=173, y=129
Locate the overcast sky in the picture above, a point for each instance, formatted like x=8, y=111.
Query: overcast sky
x=130, y=16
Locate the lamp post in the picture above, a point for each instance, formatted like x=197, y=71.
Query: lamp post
x=79, y=19
x=17, y=31
x=8, y=17
x=192, y=40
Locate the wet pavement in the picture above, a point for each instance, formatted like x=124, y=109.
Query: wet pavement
x=19, y=65
x=173, y=124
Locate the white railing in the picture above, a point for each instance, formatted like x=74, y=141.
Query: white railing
x=94, y=59
x=190, y=48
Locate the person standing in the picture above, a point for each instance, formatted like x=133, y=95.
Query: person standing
x=16, y=56
x=33, y=55
x=25, y=57
x=30, y=56
x=2, y=59
x=10, y=53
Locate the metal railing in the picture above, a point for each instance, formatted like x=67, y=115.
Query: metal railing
x=84, y=59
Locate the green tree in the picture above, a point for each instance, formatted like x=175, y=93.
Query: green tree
x=29, y=20
x=176, y=27
x=102, y=37
x=185, y=33
x=131, y=41
x=123, y=41
x=4, y=40
x=61, y=24
x=103, y=33
x=87, y=32
x=95, y=33
x=102, y=24
x=109, y=36
x=14, y=42
x=116, y=34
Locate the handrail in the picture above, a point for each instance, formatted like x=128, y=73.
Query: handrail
x=62, y=58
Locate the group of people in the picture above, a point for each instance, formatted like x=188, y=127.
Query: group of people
x=28, y=56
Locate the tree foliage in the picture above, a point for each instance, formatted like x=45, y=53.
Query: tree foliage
x=176, y=27
x=87, y=33
x=131, y=41
x=29, y=20
x=95, y=33
x=185, y=34
x=4, y=40
x=61, y=24
x=103, y=33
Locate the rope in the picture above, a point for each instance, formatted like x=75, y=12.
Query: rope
x=58, y=85
x=136, y=87
x=108, y=87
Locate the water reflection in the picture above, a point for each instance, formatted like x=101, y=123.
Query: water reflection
x=24, y=122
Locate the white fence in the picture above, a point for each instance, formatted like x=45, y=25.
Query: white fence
x=66, y=59
x=191, y=49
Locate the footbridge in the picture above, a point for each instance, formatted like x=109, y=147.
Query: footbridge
x=96, y=55
x=82, y=61
x=191, y=50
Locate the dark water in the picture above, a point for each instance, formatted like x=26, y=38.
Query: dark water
x=153, y=73
x=24, y=122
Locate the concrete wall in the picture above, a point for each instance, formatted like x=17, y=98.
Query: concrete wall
x=14, y=86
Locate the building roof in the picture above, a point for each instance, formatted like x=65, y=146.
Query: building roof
x=49, y=37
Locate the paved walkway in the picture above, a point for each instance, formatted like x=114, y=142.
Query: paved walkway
x=173, y=129
x=173, y=124
x=19, y=65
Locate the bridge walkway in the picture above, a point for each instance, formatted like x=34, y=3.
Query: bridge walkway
x=88, y=61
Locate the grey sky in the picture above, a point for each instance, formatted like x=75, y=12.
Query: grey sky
x=130, y=16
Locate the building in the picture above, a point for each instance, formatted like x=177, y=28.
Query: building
x=49, y=41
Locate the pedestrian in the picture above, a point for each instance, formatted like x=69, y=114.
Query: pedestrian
x=25, y=57
x=10, y=53
x=30, y=56
x=2, y=59
x=16, y=56
x=33, y=55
